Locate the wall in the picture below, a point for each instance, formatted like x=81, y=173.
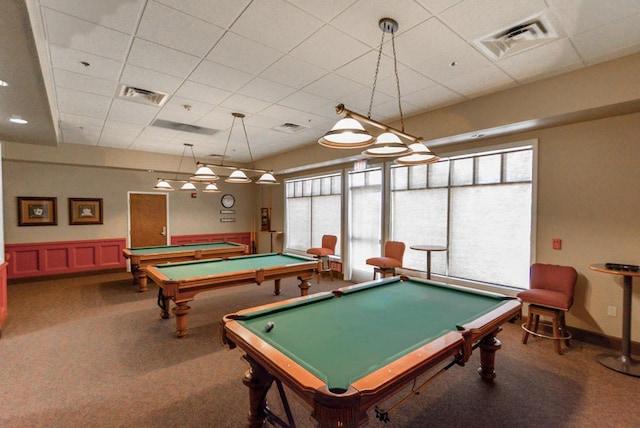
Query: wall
x=186, y=215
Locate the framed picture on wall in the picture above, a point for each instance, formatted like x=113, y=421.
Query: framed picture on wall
x=85, y=211
x=37, y=211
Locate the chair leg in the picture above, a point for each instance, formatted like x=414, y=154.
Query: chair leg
x=563, y=329
x=525, y=333
x=556, y=333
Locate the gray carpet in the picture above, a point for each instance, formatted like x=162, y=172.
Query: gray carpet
x=91, y=351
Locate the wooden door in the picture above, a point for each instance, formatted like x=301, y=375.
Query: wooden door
x=148, y=225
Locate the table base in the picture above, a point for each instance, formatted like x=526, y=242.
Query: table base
x=620, y=363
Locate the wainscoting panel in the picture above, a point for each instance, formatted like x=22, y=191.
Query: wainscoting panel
x=55, y=258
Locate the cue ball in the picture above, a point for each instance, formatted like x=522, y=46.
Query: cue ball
x=269, y=326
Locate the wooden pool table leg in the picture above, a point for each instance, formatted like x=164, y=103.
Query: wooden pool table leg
x=142, y=281
x=258, y=380
x=180, y=311
x=488, y=347
x=304, y=285
x=276, y=287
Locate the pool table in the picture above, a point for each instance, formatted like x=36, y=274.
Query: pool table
x=141, y=257
x=180, y=282
x=346, y=350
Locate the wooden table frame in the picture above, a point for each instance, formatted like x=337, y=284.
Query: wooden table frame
x=140, y=262
x=349, y=409
x=182, y=291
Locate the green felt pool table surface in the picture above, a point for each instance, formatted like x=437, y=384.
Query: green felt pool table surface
x=180, y=248
x=201, y=268
x=180, y=282
x=367, y=340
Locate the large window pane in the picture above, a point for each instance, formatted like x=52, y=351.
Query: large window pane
x=365, y=197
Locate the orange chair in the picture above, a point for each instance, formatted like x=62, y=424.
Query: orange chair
x=550, y=295
x=322, y=253
x=392, y=259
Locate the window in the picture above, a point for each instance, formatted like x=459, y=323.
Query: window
x=478, y=206
x=313, y=209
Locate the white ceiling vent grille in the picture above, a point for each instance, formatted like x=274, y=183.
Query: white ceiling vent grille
x=183, y=127
x=143, y=96
x=519, y=37
x=289, y=128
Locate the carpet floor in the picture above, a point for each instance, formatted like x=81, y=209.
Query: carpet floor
x=92, y=351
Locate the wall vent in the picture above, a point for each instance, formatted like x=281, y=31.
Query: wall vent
x=289, y=128
x=143, y=96
x=183, y=127
x=519, y=37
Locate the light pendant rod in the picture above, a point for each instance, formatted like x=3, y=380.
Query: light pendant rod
x=341, y=109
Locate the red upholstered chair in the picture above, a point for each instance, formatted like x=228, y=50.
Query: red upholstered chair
x=392, y=259
x=322, y=253
x=550, y=295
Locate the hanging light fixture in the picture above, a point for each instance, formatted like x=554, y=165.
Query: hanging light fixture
x=187, y=185
x=238, y=175
x=211, y=188
x=348, y=133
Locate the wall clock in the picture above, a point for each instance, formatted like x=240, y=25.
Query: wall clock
x=228, y=200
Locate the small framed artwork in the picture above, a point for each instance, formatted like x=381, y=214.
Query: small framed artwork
x=37, y=211
x=85, y=211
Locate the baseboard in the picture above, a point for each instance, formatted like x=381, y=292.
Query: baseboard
x=592, y=337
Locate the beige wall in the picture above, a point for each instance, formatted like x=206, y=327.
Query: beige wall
x=586, y=189
x=187, y=215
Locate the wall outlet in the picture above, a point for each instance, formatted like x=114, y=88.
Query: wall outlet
x=611, y=311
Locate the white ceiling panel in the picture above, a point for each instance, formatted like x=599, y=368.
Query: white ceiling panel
x=285, y=61
x=188, y=34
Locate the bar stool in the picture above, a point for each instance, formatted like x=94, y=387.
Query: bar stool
x=322, y=253
x=550, y=295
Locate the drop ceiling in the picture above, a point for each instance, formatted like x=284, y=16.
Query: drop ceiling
x=285, y=64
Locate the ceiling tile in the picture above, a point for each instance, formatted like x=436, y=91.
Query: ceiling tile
x=453, y=64
x=132, y=112
x=121, y=15
x=244, y=104
x=433, y=97
x=333, y=87
x=219, y=76
x=325, y=9
x=199, y=92
x=304, y=101
x=72, y=60
x=361, y=19
x=437, y=6
x=425, y=41
x=293, y=25
x=220, y=13
x=84, y=83
x=156, y=57
x=266, y=90
x=579, y=16
x=479, y=18
x=622, y=34
x=481, y=81
x=150, y=80
x=329, y=48
x=243, y=54
x=293, y=72
x=526, y=64
x=178, y=30
x=75, y=33
x=80, y=136
x=82, y=103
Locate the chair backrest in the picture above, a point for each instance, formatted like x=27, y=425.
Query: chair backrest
x=555, y=278
x=394, y=249
x=329, y=242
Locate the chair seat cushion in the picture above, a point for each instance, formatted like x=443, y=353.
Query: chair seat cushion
x=549, y=298
x=320, y=252
x=384, y=262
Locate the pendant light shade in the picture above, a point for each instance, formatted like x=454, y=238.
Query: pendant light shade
x=387, y=145
x=163, y=185
x=188, y=187
x=204, y=173
x=211, y=188
x=347, y=133
x=238, y=176
x=267, y=178
x=420, y=154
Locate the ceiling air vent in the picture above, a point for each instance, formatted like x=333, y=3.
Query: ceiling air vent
x=143, y=96
x=289, y=128
x=184, y=127
x=518, y=37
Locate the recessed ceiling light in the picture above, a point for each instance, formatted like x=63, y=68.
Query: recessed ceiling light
x=3, y=83
x=17, y=119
